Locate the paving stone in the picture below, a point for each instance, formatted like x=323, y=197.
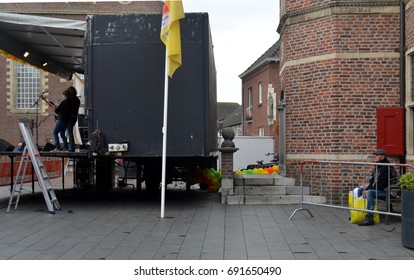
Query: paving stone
x=197, y=226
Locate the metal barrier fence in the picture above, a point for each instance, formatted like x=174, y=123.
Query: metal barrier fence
x=334, y=180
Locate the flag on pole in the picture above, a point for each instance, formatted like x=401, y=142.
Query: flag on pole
x=170, y=33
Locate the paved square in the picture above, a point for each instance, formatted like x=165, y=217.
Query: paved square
x=120, y=224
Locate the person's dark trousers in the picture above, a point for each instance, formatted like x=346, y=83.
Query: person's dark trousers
x=60, y=129
x=71, y=137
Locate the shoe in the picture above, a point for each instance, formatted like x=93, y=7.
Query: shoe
x=368, y=221
x=71, y=150
x=56, y=151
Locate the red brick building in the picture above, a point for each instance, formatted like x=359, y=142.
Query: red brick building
x=260, y=95
x=339, y=63
x=11, y=113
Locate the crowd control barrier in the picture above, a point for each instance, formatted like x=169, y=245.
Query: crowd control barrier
x=332, y=180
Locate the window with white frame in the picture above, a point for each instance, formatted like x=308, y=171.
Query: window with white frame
x=28, y=86
x=261, y=131
x=260, y=93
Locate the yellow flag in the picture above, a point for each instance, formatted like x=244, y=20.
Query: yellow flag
x=170, y=33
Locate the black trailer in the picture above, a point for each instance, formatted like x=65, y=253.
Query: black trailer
x=124, y=90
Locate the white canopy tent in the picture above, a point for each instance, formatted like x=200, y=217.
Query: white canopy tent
x=53, y=44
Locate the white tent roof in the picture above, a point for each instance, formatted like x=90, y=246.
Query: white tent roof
x=59, y=42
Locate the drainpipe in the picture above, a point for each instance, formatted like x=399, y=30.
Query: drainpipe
x=402, y=73
x=243, y=109
x=282, y=137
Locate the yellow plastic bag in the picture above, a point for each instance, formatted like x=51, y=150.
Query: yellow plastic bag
x=360, y=203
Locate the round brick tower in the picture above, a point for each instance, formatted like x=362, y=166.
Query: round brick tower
x=339, y=63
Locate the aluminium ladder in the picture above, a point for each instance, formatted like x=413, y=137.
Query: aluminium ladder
x=31, y=152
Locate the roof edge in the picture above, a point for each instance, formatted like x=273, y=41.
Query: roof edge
x=258, y=65
x=23, y=19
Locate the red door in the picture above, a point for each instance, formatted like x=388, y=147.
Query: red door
x=390, y=130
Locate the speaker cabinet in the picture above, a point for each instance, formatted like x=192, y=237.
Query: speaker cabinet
x=5, y=146
x=48, y=147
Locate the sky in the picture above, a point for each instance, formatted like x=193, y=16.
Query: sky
x=242, y=30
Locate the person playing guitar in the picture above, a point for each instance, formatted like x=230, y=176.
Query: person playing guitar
x=63, y=110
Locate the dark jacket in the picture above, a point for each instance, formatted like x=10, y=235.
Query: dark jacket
x=385, y=176
x=74, y=109
x=64, y=111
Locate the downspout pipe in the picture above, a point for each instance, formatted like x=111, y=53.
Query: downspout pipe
x=402, y=73
x=402, y=53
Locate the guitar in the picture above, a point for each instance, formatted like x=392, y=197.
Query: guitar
x=49, y=102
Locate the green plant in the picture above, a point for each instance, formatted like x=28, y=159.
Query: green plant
x=407, y=181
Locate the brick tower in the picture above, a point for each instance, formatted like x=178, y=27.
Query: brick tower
x=339, y=63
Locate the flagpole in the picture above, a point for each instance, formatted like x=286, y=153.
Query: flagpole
x=172, y=12
x=164, y=136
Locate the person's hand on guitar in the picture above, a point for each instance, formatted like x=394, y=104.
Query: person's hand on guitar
x=49, y=102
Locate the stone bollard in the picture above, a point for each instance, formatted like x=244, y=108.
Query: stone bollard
x=227, y=150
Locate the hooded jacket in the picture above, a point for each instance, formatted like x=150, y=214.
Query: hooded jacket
x=382, y=176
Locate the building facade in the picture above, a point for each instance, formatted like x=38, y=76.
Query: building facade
x=340, y=63
x=408, y=10
x=260, y=95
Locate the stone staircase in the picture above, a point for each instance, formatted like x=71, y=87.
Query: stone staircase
x=266, y=189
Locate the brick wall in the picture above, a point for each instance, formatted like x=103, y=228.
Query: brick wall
x=76, y=8
x=341, y=33
x=4, y=119
x=298, y=5
x=336, y=69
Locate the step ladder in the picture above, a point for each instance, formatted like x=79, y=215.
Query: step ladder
x=31, y=153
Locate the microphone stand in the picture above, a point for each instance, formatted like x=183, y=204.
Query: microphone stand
x=36, y=123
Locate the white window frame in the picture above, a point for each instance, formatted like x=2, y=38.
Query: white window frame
x=409, y=93
x=28, y=82
x=261, y=131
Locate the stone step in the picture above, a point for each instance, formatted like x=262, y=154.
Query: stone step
x=266, y=189
x=262, y=180
x=272, y=199
x=277, y=190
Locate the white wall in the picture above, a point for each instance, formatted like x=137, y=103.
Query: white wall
x=251, y=149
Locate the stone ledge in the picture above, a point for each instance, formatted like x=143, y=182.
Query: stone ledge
x=270, y=199
x=262, y=180
x=266, y=189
